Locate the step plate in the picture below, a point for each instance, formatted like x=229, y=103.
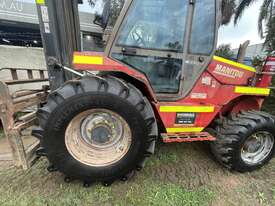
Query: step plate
x=187, y=137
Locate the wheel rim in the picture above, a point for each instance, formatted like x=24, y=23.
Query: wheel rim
x=257, y=147
x=98, y=137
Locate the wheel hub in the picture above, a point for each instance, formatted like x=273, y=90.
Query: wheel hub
x=257, y=147
x=253, y=145
x=98, y=137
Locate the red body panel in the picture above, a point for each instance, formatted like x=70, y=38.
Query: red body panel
x=215, y=87
x=108, y=65
x=111, y=65
x=229, y=74
x=269, y=66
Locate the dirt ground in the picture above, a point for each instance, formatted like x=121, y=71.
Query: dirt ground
x=178, y=174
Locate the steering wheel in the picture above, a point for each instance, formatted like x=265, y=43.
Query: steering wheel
x=141, y=35
x=174, y=67
x=138, y=38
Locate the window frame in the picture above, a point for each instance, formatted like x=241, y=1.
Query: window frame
x=215, y=34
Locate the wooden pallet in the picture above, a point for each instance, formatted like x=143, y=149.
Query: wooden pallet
x=18, y=113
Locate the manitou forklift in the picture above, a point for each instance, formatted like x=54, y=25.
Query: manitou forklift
x=158, y=78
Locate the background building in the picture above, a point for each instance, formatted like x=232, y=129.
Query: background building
x=19, y=24
x=253, y=50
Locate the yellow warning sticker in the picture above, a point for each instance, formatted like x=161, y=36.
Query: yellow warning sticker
x=41, y=2
x=94, y=60
x=184, y=129
x=198, y=109
x=252, y=90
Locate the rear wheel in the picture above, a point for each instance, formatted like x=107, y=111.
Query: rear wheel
x=245, y=141
x=97, y=129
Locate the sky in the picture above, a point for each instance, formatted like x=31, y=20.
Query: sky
x=246, y=29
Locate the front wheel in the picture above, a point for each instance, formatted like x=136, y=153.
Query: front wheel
x=245, y=141
x=97, y=129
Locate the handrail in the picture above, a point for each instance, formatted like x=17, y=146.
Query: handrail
x=266, y=73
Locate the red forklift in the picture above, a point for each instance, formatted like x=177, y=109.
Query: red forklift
x=157, y=78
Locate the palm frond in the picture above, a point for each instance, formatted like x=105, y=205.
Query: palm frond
x=228, y=9
x=270, y=38
x=241, y=8
x=264, y=15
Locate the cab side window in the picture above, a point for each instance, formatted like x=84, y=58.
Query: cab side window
x=203, y=24
x=152, y=25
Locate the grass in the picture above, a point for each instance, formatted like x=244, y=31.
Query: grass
x=169, y=194
x=38, y=187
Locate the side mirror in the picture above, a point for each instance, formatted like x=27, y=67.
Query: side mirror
x=98, y=20
x=102, y=20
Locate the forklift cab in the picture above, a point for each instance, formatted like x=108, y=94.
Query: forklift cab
x=162, y=39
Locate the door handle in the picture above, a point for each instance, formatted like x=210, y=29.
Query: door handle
x=131, y=51
x=201, y=59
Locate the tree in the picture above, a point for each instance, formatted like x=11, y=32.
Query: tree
x=224, y=50
x=266, y=16
x=228, y=10
x=270, y=36
x=258, y=61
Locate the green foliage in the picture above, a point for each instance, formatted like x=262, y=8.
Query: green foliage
x=262, y=198
x=228, y=9
x=225, y=51
x=270, y=36
x=273, y=193
x=160, y=194
x=258, y=61
x=169, y=194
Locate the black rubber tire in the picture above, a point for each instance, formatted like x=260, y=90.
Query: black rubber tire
x=97, y=92
x=231, y=134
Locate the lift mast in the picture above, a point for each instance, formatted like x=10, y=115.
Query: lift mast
x=60, y=31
